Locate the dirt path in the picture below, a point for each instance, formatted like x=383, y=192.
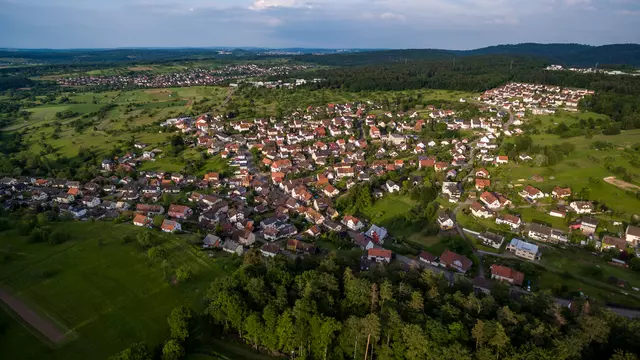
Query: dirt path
x=44, y=326
x=621, y=184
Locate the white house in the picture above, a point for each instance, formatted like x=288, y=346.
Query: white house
x=581, y=207
x=391, y=186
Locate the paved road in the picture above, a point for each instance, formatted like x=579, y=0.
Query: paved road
x=464, y=236
x=416, y=263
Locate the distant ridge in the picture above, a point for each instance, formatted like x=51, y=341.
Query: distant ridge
x=564, y=54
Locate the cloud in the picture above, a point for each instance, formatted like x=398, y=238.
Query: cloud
x=392, y=16
x=266, y=4
x=457, y=24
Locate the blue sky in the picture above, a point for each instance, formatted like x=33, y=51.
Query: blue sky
x=449, y=24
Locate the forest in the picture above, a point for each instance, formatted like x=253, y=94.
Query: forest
x=328, y=309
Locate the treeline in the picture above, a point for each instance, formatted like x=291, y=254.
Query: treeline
x=14, y=82
x=327, y=310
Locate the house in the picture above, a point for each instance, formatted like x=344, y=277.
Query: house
x=513, y=221
x=211, y=241
x=560, y=213
x=581, y=207
x=478, y=210
x=331, y=191
x=530, y=193
x=313, y=216
x=539, y=232
x=232, y=247
x=588, y=225
x=491, y=239
x=149, y=210
x=179, y=211
x=377, y=234
x=452, y=191
x=391, y=186
x=523, y=249
x=503, y=273
x=561, y=193
x=362, y=241
x=444, y=221
x=502, y=160
x=332, y=225
x=428, y=258
x=609, y=242
x=301, y=247
x=490, y=200
x=170, y=226
x=481, y=184
x=632, y=235
x=141, y=220
x=379, y=255
x=558, y=236
x=455, y=261
x=352, y=222
x=482, y=173
x=270, y=250
x=244, y=236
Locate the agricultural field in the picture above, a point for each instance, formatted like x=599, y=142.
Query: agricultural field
x=134, y=109
x=104, y=293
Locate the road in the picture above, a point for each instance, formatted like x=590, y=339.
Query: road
x=506, y=125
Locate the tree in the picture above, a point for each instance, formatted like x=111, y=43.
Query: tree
x=253, y=329
x=156, y=254
x=137, y=351
x=145, y=240
x=183, y=274
x=478, y=333
x=180, y=322
x=172, y=350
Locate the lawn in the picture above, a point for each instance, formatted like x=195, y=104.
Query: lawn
x=106, y=293
x=543, y=122
x=386, y=210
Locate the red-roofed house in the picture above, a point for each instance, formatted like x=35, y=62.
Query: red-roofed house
x=458, y=262
x=503, y=273
x=180, y=211
x=379, y=255
x=141, y=220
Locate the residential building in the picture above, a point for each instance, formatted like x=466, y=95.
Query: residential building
x=588, y=225
x=233, y=247
x=632, y=235
x=428, y=258
x=524, y=249
x=391, y=186
x=478, y=210
x=269, y=250
x=455, y=261
x=513, y=221
x=503, y=273
x=179, y=211
x=377, y=234
x=352, y=222
x=379, y=255
x=141, y=220
x=211, y=242
x=561, y=193
x=539, y=232
x=609, y=242
x=491, y=239
x=170, y=226
x=581, y=207
x=444, y=220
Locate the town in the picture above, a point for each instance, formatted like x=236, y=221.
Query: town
x=287, y=177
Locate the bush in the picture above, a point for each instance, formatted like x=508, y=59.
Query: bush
x=183, y=274
x=39, y=235
x=156, y=254
x=58, y=237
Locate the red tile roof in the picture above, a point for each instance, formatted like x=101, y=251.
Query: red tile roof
x=507, y=272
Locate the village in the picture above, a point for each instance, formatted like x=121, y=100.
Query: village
x=287, y=175
x=190, y=77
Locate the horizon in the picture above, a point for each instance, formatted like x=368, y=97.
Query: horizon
x=326, y=24
x=249, y=48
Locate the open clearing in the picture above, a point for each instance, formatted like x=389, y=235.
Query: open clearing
x=108, y=293
x=621, y=184
x=44, y=326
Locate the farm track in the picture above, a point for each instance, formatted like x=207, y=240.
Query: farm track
x=44, y=326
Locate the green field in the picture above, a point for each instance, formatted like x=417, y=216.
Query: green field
x=106, y=293
x=385, y=210
x=576, y=169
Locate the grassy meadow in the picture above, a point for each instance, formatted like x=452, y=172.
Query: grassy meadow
x=584, y=168
x=105, y=293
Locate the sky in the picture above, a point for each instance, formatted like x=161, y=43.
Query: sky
x=443, y=24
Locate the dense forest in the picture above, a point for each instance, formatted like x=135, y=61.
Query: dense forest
x=331, y=310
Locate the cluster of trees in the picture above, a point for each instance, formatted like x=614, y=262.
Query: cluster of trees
x=181, y=321
x=547, y=155
x=328, y=311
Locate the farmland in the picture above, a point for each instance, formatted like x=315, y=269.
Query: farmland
x=104, y=292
